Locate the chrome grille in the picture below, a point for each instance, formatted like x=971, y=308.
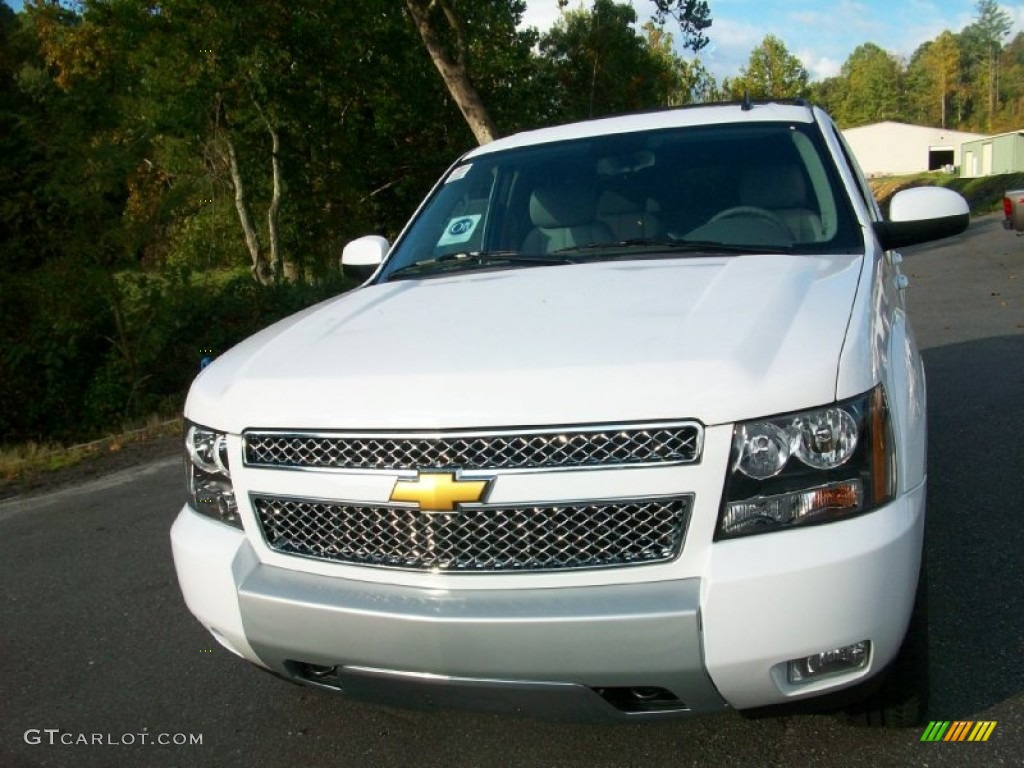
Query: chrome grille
x=478, y=539
x=508, y=450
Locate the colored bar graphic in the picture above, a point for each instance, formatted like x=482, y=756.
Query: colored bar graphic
x=982, y=730
x=935, y=731
x=958, y=730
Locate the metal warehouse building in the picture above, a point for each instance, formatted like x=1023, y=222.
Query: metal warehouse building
x=990, y=155
x=895, y=149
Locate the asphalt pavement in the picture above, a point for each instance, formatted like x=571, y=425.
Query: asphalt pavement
x=102, y=665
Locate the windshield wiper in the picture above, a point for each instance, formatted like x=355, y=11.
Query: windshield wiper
x=670, y=245
x=450, y=262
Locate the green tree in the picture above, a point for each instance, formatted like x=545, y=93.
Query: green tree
x=446, y=28
x=685, y=81
x=830, y=94
x=599, y=65
x=993, y=25
x=699, y=84
x=933, y=79
x=873, y=88
x=63, y=168
x=1012, y=67
x=137, y=132
x=693, y=17
x=983, y=39
x=772, y=72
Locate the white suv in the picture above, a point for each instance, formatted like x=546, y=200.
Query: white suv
x=628, y=423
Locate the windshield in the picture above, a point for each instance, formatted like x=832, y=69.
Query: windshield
x=755, y=188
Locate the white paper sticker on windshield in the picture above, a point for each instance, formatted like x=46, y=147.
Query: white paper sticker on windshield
x=458, y=173
x=459, y=230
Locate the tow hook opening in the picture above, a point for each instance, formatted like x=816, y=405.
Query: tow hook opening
x=320, y=675
x=642, y=699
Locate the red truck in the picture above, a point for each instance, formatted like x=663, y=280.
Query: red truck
x=1013, y=208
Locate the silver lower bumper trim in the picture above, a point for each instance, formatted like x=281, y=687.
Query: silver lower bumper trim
x=540, y=652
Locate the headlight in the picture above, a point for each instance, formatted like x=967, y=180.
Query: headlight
x=209, y=477
x=811, y=467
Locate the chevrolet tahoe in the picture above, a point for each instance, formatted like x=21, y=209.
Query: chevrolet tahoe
x=628, y=423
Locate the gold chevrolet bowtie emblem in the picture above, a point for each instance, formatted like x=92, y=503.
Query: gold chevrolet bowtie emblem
x=439, y=491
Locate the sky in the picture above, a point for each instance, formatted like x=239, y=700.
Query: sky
x=821, y=34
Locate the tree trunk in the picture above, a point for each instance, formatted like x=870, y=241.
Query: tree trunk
x=453, y=69
x=944, y=88
x=992, y=98
x=275, y=204
x=252, y=239
x=278, y=268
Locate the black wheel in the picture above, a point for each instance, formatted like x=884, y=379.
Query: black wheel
x=901, y=700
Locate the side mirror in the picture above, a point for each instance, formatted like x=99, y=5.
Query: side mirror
x=361, y=257
x=922, y=214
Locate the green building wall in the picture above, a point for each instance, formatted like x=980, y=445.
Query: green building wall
x=993, y=155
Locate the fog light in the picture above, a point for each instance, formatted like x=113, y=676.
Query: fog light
x=829, y=663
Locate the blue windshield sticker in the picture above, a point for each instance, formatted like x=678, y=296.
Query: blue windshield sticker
x=459, y=230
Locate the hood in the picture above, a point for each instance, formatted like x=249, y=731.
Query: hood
x=713, y=339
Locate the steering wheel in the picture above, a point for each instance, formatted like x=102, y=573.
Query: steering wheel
x=753, y=212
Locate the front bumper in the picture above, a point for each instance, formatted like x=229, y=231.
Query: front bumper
x=545, y=651
x=708, y=640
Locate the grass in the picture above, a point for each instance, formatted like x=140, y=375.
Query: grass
x=983, y=195
x=20, y=461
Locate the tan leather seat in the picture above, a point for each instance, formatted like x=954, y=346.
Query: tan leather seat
x=563, y=216
x=781, y=189
x=629, y=220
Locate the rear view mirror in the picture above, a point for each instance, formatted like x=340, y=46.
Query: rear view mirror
x=921, y=215
x=619, y=165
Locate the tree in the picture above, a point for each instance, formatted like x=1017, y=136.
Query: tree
x=772, y=72
x=934, y=72
x=137, y=135
x=1012, y=68
x=693, y=17
x=686, y=82
x=435, y=20
x=830, y=94
x=599, y=65
x=987, y=33
x=444, y=27
x=699, y=84
x=873, y=89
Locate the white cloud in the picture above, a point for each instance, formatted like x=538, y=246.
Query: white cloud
x=730, y=47
x=819, y=67
x=541, y=14
x=844, y=20
x=1017, y=14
